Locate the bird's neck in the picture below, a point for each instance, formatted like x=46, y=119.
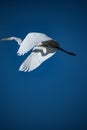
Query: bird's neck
x=18, y=40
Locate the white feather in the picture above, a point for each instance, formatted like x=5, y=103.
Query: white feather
x=30, y=41
x=35, y=59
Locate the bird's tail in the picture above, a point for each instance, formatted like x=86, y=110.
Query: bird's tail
x=70, y=53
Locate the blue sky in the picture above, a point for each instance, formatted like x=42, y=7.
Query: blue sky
x=54, y=96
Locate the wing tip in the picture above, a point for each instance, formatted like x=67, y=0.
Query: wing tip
x=19, y=53
x=24, y=69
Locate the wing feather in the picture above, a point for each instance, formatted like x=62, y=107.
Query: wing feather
x=30, y=41
x=35, y=59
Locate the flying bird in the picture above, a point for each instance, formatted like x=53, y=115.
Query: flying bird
x=43, y=47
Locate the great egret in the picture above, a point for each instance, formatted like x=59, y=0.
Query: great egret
x=43, y=47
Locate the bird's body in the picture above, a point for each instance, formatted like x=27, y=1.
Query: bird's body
x=31, y=40
x=43, y=47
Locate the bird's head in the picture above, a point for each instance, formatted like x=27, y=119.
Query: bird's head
x=18, y=40
x=7, y=39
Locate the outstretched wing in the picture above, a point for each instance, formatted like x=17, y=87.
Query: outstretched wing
x=36, y=58
x=30, y=41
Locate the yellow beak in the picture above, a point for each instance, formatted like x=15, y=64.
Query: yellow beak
x=5, y=39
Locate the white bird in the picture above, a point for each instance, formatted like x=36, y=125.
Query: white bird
x=43, y=47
